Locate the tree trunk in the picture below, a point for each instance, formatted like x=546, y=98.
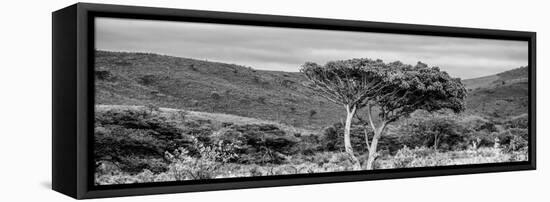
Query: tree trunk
x=347, y=139
x=372, y=151
x=374, y=143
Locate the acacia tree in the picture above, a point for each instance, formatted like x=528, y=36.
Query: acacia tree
x=343, y=83
x=387, y=91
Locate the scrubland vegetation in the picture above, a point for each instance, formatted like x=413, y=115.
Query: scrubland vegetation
x=148, y=144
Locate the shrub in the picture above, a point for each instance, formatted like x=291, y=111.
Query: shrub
x=256, y=171
x=332, y=138
x=180, y=115
x=261, y=99
x=323, y=162
x=152, y=108
x=199, y=129
x=106, y=167
x=520, y=155
x=215, y=95
x=480, y=128
x=513, y=139
x=312, y=113
x=135, y=139
x=518, y=122
x=308, y=144
x=148, y=80
x=403, y=158
x=442, y=132
x=102, y=75
x=146, y=176
x=183, y=166
x=288, y=84
x=192, y=67
x=259, y=143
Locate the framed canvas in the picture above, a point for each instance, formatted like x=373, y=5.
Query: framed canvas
x=156, y=100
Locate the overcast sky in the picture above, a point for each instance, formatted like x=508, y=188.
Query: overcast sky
x=285, y=49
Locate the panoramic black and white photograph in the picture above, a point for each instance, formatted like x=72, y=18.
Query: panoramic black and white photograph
x=184, y=101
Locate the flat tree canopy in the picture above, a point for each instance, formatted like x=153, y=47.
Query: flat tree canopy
x=394, y=89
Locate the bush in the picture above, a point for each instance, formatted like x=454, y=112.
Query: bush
x=183, y=166
x=192, y=67
x=308, y=144
x=102, y=75
x=288, y=84
x=261, y=100
x=513, y=139
x=135, y=139
x=520, y=155
x=149, y=79
x=324, y=161
x=312, y=113
x=215, y=96
x=443, y=132
x=403, y=158
x=477, y=123
x=259, y=143
x=518, y=122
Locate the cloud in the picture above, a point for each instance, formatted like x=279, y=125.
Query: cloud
x=285, y=49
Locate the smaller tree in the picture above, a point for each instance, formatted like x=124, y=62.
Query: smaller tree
x=438, y=130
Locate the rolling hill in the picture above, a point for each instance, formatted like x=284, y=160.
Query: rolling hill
x=198, y=85
x=500, y=95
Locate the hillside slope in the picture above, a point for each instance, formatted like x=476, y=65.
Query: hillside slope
x=172, y=82
x=500, y=95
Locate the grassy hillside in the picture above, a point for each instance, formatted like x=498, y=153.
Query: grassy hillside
x=501, y=95
x=518, y=75
x=141, y=79
x=481, y=82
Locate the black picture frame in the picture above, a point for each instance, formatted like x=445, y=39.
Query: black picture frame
x=73, y=99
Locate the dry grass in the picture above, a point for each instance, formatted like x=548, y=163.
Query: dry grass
x=330, y=162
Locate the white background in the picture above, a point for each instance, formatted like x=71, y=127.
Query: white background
x=25, y=115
